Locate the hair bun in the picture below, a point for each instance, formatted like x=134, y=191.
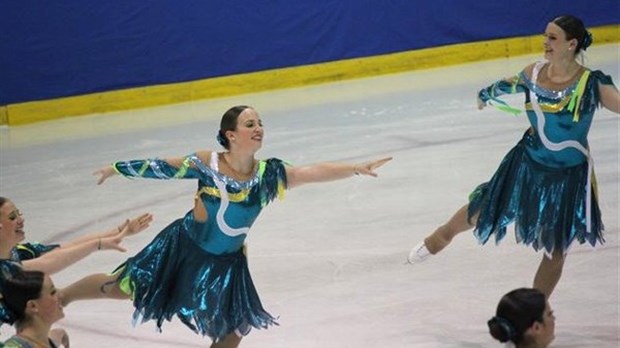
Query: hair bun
x=6, y=315
x=587, y=40
x=221, y=139
x=501, y=329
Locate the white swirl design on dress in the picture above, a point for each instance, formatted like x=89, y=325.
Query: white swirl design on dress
x=540, y=122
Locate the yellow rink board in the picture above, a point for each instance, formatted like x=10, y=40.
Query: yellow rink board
x=132, y=98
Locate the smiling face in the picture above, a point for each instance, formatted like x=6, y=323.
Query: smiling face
x=556, y=45
x=248, y=135
x=12, y=231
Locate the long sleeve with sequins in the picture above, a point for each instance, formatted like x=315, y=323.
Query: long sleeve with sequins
x=157, y=169
x=501, y=87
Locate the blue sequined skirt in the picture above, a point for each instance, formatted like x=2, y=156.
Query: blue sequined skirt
x=547, y=205
x=212, y=294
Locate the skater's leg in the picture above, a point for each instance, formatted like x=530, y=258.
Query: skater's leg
x=94, y=286
x=443, y=235
x=549, y=273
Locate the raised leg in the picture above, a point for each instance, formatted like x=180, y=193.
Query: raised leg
x=95, y=286
x=442, y=236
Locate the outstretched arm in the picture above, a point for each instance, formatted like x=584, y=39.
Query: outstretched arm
x=610, y=97
x=509, y=85
x=29, y=251
x=127, y=228
x=328, y=171
x=178, y=167
x=60, y=258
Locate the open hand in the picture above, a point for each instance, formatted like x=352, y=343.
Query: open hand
x=368, y=168
x=104, y=173
x=481, y=104
x=136, y=225
x=112, y=243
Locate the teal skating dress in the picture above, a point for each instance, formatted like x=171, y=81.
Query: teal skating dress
x=545, y=184
x=197, y=271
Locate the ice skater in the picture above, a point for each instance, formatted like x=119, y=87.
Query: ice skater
x=33, y=304
x=17, y=255
x=524, y=318
x=195, y=269
x=545, y=184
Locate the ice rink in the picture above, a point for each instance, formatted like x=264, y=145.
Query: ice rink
x=329, y=259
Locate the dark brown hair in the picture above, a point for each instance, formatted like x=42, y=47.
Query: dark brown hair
x=229, y=122
x=574, y=29
x=18, y=289
x=516, y=312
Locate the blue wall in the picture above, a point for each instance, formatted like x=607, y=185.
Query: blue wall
x=51, y=49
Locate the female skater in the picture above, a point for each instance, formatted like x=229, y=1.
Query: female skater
x=524, y=318
x=195, y=268
x=16, y=255
x=54, y=258
x=545, y=183
x=33, y=304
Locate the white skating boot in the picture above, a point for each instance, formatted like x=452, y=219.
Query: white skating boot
x=418, y=254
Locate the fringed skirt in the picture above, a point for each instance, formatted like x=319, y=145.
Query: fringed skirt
x=547, y=205
x=212, y=294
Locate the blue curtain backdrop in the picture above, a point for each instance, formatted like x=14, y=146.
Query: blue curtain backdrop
x=51, y=49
